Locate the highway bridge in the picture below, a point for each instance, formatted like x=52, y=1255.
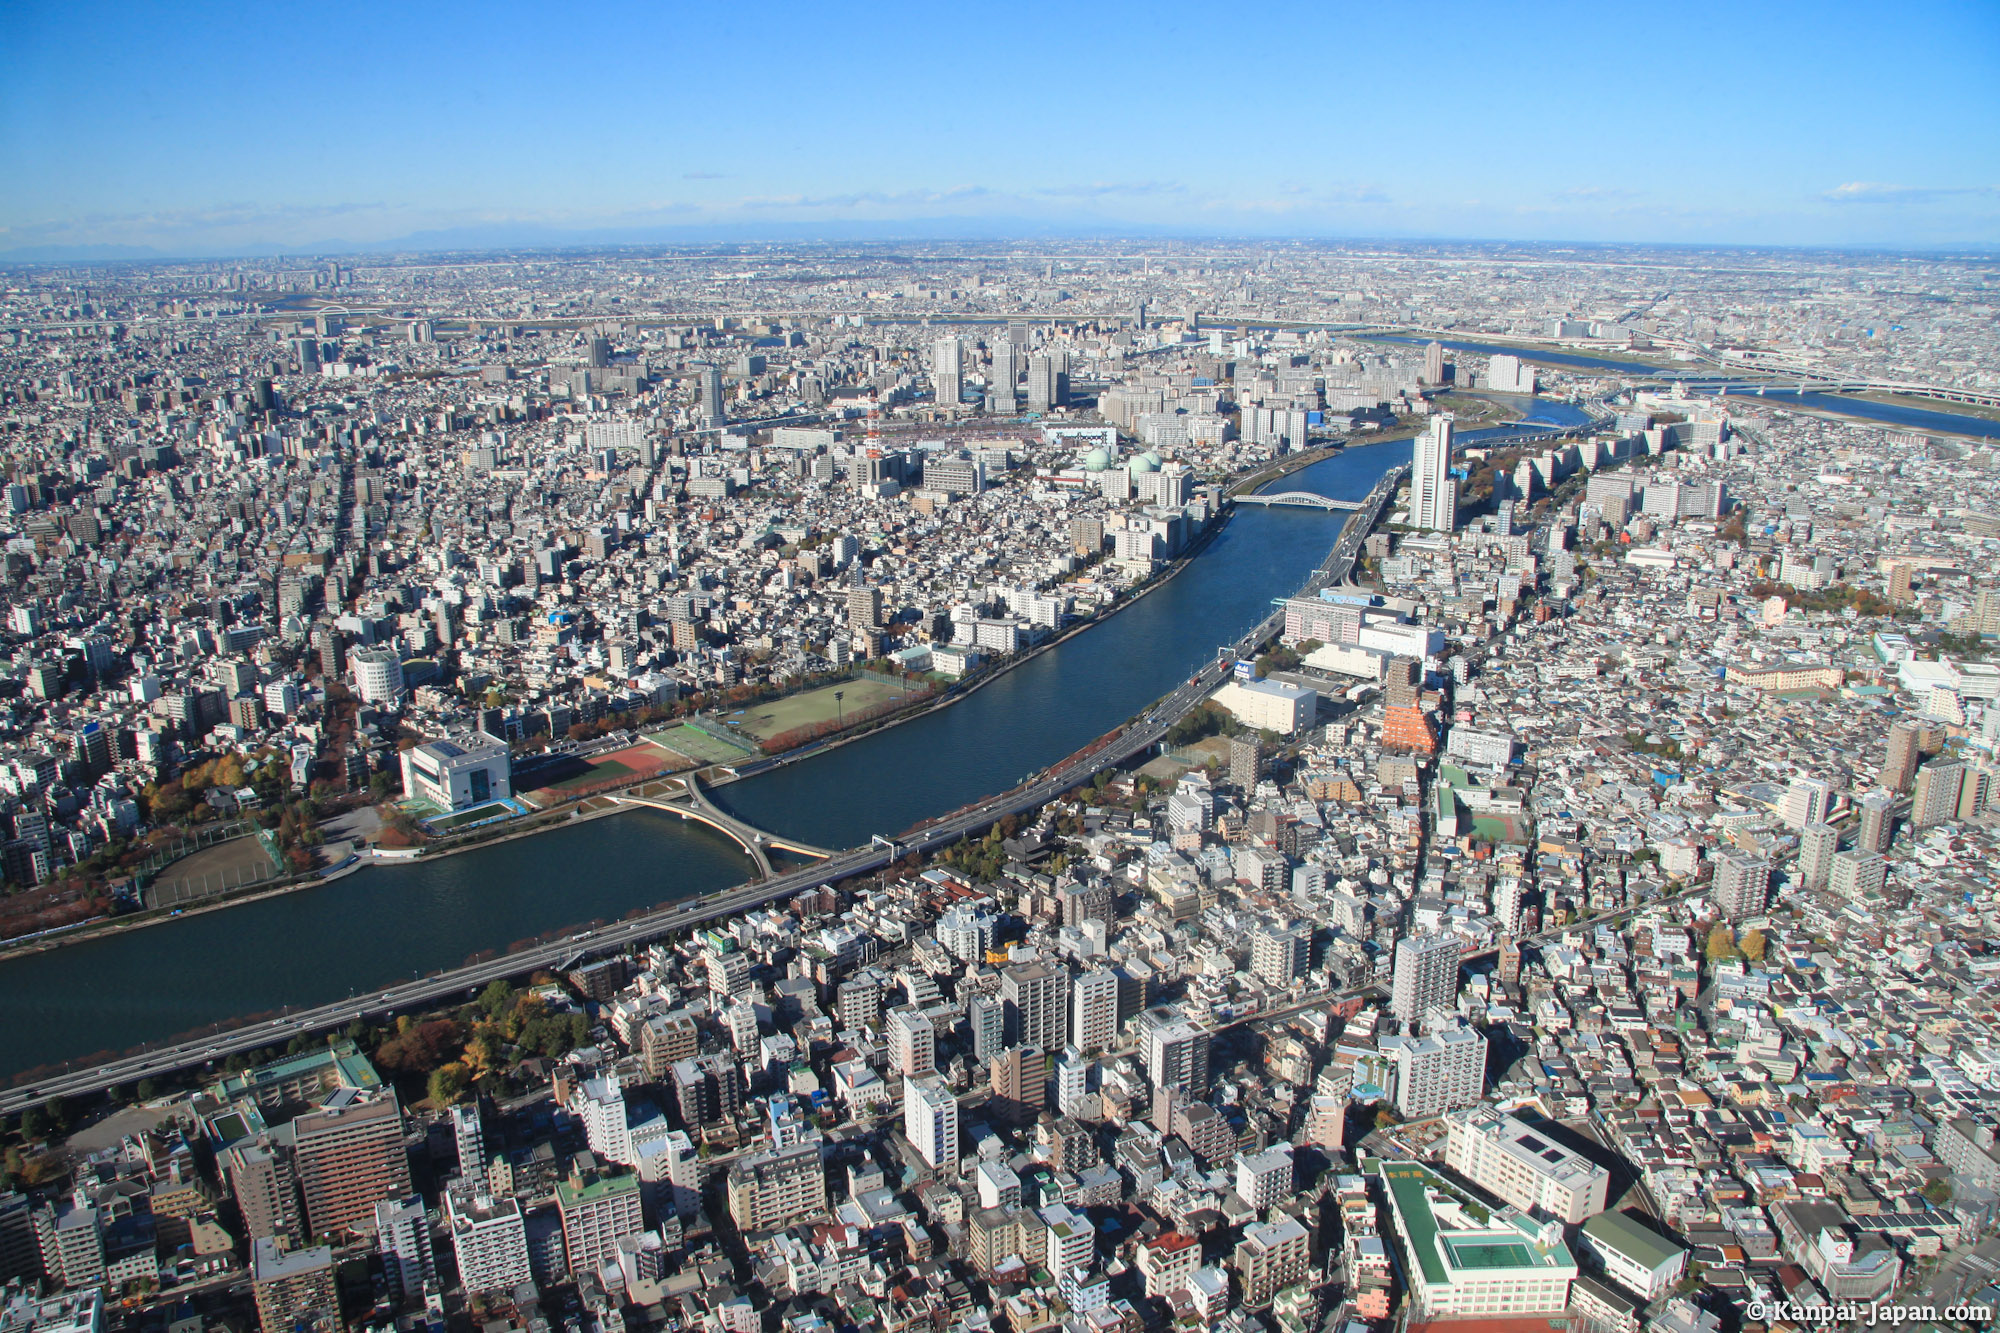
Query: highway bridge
x=1301, y=499
x=693, y=803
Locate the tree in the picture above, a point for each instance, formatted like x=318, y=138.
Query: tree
x=448, y=1083
x=148, y=1089
x=495, y=998
x=1752, y=945
x=34, y=1123
x=1722, y=944
x=1938, y=1191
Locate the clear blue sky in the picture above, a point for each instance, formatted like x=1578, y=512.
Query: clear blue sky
x=202, y=127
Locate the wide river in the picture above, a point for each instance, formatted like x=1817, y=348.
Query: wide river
x=387, y=923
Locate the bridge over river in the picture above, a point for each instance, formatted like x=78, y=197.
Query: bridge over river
x=693, y=803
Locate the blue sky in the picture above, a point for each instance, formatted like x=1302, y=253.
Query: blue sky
x=195, y=127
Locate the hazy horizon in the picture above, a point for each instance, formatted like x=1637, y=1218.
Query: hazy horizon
x=235, y=130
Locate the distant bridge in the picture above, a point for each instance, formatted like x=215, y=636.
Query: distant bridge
x=1301, y=499
x=694, y=804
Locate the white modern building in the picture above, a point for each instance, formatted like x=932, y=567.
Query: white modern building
x=460, y=773
x=930, y=1120
x=1511, y=1159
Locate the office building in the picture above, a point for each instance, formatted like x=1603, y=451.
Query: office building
x=1094, y=1010
x=1072, y=1081
x=912, y=1041
x=772, y=1189
x=1246, y=762
x=1740, y=884
x=1002, y=396
x=930, y=1121
x=1936, y=797
x=490, y=1239
x=1437, y=1073
x=349, y=1157
x=597, y=1212
x=294, y=1289
x=1045, y=382
x=459, y=773
x=1522, y=1165
x=1434, y=362
x=403, y=1238
x=1069, y=1241
x=1271, y=1256
x=70, y=1236
x=1175, y=1053
x=1270, y=705
x=986, y=1024
x=378, y=674
x=1036, y=997
x=1426, y=976
x=1433, y=490
x=600, y=1104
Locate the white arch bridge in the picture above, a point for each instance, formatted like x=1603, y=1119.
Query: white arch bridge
x=1301, y=499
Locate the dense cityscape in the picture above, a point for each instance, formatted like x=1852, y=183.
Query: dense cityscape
x=1569, y=908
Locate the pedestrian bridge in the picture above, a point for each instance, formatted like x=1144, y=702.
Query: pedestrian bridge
x=1300, y=499
x=693, y=803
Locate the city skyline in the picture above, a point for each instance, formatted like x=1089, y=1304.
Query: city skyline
x=231, y=131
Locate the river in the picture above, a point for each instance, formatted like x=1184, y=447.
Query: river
x=1887, y=414
x=384, y=923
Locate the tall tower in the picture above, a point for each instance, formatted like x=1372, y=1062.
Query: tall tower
x=1433, y=491
x=1434, y=362
x=1741, y=883
x=711, y=395
x=1817, y=844
x=1037, y=1000
x=1001, y=398
x=1873, y=834
x=947, y=372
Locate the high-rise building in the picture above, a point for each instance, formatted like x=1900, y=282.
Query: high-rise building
x=1873, y=835
x=1426, y=976
x=773, y=1189
x=1936, y=797
x=1045, y=382
x=20, y=1252
x=864, y=607
x=1069, y=1242
x=1817, y=844
x=403, y=1237
x=597, y=1212
x=986, y=1024
x=1037, y=1001
x=1002, y=397
x=912, y=1041
x=1434, y=362
x=349, y=1157
x=1020, y=1078
x=601, y=1106
x=1805, y=802
x=1856, y=874
x=1246, y=762
x=294, y=1289
x=266, y=1190
x=1280, y=954
x=1437, y=1073
x=1175, y=1052
x=490, y=1239
x=1271, y=1256
x=1899, y=582
x=1900, y=765
x=1094, y=1010
x=930, y=1120
x=1433, y=491
x=470, y=1134
x=1741, y=883
x=1072, y=1080
x=1264, y=1179
x=947, y=372
x=1405, y=725
x=712, y=412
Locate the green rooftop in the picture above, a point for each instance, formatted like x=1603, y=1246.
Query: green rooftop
x=1638, y=1242
x=1488, y=1254
x=338, y=1064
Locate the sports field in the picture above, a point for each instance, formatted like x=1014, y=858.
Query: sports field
x=813, y=707
x=701, y=747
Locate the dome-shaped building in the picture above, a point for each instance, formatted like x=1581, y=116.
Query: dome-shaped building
x=1146, y=462
x=1097, y=460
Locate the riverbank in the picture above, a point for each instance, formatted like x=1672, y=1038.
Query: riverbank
x=713, y=777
